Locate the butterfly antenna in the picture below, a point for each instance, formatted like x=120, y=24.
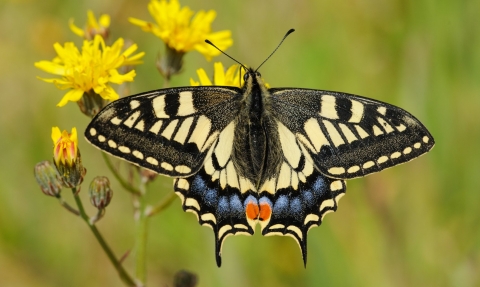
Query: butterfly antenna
x=213, y=45
x=284, y=37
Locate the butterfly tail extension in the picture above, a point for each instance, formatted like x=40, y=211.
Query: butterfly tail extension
x=295, y=211
x=220, y=207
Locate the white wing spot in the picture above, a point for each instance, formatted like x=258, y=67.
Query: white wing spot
x=140, y=125
x=183, y=184
x=347, y=133
x=368, y=164
x=291, y=151
x=224, y=229
x=327, y=107
x=132, y=119
x=166, y=166
x=182, y=169
x=168, y=131
x=401, y=128
x=425, y=139
x=101, y=138
x=201, y=132
x=112, y=144
x=134, y=104
x=183, y=130
x=311, y=217
x=156, y=127
x=336, y=170
x=223, y=149
x=388, y=128
x=327, y=203
x=382, y=159
x=407, y=150
x=137, y=154
x=208, y=217
x=333, y=133
x=124, y=149
x=417, y=145
x=296, y=230
x=312, y=128
x=93, y=132
x=186, y=104
x=377, y=131
x=336, y=185
x=361, y=132
x=159, y=107
x=191, y=202
x=353, y=169
x=283, y=180
x=116, y=121
x=151, y=160
x=395, y=155
x=357, y=112
x=382, y=110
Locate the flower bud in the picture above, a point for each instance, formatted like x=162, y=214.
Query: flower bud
x=91, y=103
x=100, y=192
x=171, y=63
x=48, y=178
x=67, y=157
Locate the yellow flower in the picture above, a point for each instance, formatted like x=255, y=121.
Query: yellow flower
x=65, y=146
x=92, y=69
x=93, y=27
x=66, y=157
x=174, y=27
x=220, y=77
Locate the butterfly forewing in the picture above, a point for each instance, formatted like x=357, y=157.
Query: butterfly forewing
x=168, y=131
x=349, y=136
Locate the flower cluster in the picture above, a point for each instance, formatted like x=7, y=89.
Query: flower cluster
x=93, y=68
x=174, y=27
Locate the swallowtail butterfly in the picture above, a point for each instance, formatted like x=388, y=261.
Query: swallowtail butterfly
x=241, y=156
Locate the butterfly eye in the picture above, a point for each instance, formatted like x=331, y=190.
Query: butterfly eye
x=246, y=76
x=258, y=74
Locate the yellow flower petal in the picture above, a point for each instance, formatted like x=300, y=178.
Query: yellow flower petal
x=72, y=95
x=204, y=80
x=76, y=30
x=104, y=20
x=173, y=24
x=94, y=68
x=56, y=134
x=218, y=74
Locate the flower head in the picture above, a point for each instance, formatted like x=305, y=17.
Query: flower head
x=90, y=70
x=232, y=77
x=100, y=192
x=66, y=157
x=65, y=146
x=174, y=27
x=48, y=178
x=93, y=27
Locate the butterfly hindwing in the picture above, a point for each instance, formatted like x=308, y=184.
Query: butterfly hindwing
x=168, y=131
x=218, y=195
x=298, y=196
x=349, y=136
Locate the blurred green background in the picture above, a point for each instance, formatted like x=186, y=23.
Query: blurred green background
x=417, y=224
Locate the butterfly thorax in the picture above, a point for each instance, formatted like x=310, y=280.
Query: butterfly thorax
x=254, y=154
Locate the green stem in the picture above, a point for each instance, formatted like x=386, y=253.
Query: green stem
x=117, y=175
x=121, y=272
x=67, y=206
x=162, y=205
x=141, y=235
